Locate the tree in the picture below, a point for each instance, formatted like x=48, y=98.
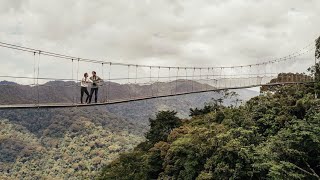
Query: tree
x=206, y=109
x=293, y=153
x=317, y=67
x=161, y=127
x=317, y=52
x=128, y=166
x=315, y=70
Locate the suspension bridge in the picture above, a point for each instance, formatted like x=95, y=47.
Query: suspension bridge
x=58, y=85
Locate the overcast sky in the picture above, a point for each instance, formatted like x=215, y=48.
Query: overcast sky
x=157, y=32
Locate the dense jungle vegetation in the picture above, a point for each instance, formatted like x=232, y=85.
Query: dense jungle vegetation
x=273, y=136
x=62, y=144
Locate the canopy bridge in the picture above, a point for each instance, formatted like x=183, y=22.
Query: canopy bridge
x=52, y=80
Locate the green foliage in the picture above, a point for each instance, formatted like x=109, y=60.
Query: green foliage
x=217, y=103
x=315, y=70
x=161, y=127
x=128, y=166
x=205, y=110
x=293, y=153
x=145, y=162
x=317, y=52
x=275, y=136
x=71, y=144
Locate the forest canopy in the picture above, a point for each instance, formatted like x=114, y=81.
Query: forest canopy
x=273, y=136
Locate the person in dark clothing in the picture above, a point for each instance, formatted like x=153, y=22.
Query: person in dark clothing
x=95, y=86
x=84, y=85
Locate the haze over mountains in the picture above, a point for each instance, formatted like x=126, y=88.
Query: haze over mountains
x=69, y=91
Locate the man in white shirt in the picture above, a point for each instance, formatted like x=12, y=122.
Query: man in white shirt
x=95, y=86
x=84, y=87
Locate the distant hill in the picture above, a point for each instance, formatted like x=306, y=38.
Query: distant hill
x=69, y=92
x=7, y=83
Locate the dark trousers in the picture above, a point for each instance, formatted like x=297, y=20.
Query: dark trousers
x=95, y=91
x=84, y=90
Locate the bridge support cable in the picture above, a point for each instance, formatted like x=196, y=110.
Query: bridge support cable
x=265, y=75
x=66, y=57
x=211, y=78
x=207, y=79
x=170, y=83
x=186, y=81
x=192, y=83
x=158, y=81
x=177, y=80
x=34, y=79
x=135, y=80
x=215, y=81
x=104, y=84
x=224, y=78
x=219, y=79
x=150, y=82
x=257, y=71
x=109, y=84
x=72, y=87
x=38, y=72
x=241, y=69
x=241, y=72
x=129, y=84
x=201, y=86
x=231, y=73
x=250, y=76
x=78, y=81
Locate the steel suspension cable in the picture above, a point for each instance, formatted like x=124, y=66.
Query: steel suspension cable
x=186, y=83
x=240, y=82
x=103, y=83
x=158, y=81
x=47, y=53
x=34, y=78
x=109, y=86
x=170, y=84
x=250, y=72
x=135, y=81
x=177, y=80
x=207, y=79
x=73, y=94
x=78, y=80
x=39, y=58
x=151, y=84
x=201, y=80
x=129, y=88
x=214, y=80
x=194, y=69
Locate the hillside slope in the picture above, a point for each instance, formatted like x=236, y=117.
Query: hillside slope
x=59, y=144
x=275, y=136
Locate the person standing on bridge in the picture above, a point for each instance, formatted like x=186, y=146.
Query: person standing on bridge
x=96, y=80
x=84, y=85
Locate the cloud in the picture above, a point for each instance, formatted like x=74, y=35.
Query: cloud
x=166, y=32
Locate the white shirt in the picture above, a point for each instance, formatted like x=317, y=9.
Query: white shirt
x=85, y=82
